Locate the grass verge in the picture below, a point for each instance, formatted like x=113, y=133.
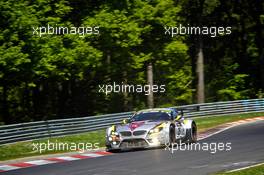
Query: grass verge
x=258, y=170
x=25, y=149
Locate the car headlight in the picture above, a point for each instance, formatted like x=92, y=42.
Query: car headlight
x=114, y=138
x=114, y=133
x=156, y=130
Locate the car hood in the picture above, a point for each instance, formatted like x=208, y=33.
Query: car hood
x=138, y=125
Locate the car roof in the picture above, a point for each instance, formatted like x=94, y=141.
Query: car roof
x=158, y=110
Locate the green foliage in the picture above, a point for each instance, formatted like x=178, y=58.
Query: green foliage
x=232, y=92
x=56, y=76
x=256, y=170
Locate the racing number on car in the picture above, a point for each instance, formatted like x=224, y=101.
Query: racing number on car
x=180, y=131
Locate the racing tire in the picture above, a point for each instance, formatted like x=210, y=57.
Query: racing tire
x=109, y=149
x=191, y=134
x=172, y=136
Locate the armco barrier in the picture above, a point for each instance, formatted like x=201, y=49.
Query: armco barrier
x=50, y=128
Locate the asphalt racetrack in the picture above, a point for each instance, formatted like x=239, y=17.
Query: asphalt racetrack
x=247, y=142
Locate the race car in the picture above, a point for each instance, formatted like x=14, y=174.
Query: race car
x=151, y=128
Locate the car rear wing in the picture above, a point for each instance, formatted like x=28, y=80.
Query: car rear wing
x=188, y=109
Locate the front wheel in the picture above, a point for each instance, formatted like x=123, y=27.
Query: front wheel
x=109, y=149
x=172, y=135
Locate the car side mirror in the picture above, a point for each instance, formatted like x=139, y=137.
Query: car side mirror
x=125, y=121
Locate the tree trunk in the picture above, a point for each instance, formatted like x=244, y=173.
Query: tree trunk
x=125, y=94
x=150, y=83
x=259, y=41
x=261, y=61
x=6, y=115
x=200, y=74
x=108, y=68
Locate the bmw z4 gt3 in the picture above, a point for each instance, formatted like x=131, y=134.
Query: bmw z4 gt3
x=151, y=128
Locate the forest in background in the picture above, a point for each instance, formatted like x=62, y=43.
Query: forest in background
x=57, y=76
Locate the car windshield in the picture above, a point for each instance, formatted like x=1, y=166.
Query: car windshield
x=151, y=116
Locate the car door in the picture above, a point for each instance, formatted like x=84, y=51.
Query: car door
x=179, y=129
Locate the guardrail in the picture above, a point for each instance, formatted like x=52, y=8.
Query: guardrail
x=50, y=128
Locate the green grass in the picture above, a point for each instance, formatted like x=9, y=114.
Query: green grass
x=258, y=170
x=25, y=149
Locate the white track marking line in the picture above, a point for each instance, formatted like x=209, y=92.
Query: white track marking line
x=243, y=168
x=92, y=155
x=233, y=124
x=39, y=162
x=210, y=135
x=68, y=158
x=8, y=167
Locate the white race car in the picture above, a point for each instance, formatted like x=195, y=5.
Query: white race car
x=151, y=128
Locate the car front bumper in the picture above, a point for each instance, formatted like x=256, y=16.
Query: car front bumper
x=147, y=141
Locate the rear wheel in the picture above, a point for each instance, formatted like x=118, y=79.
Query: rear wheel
x=191, y=134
